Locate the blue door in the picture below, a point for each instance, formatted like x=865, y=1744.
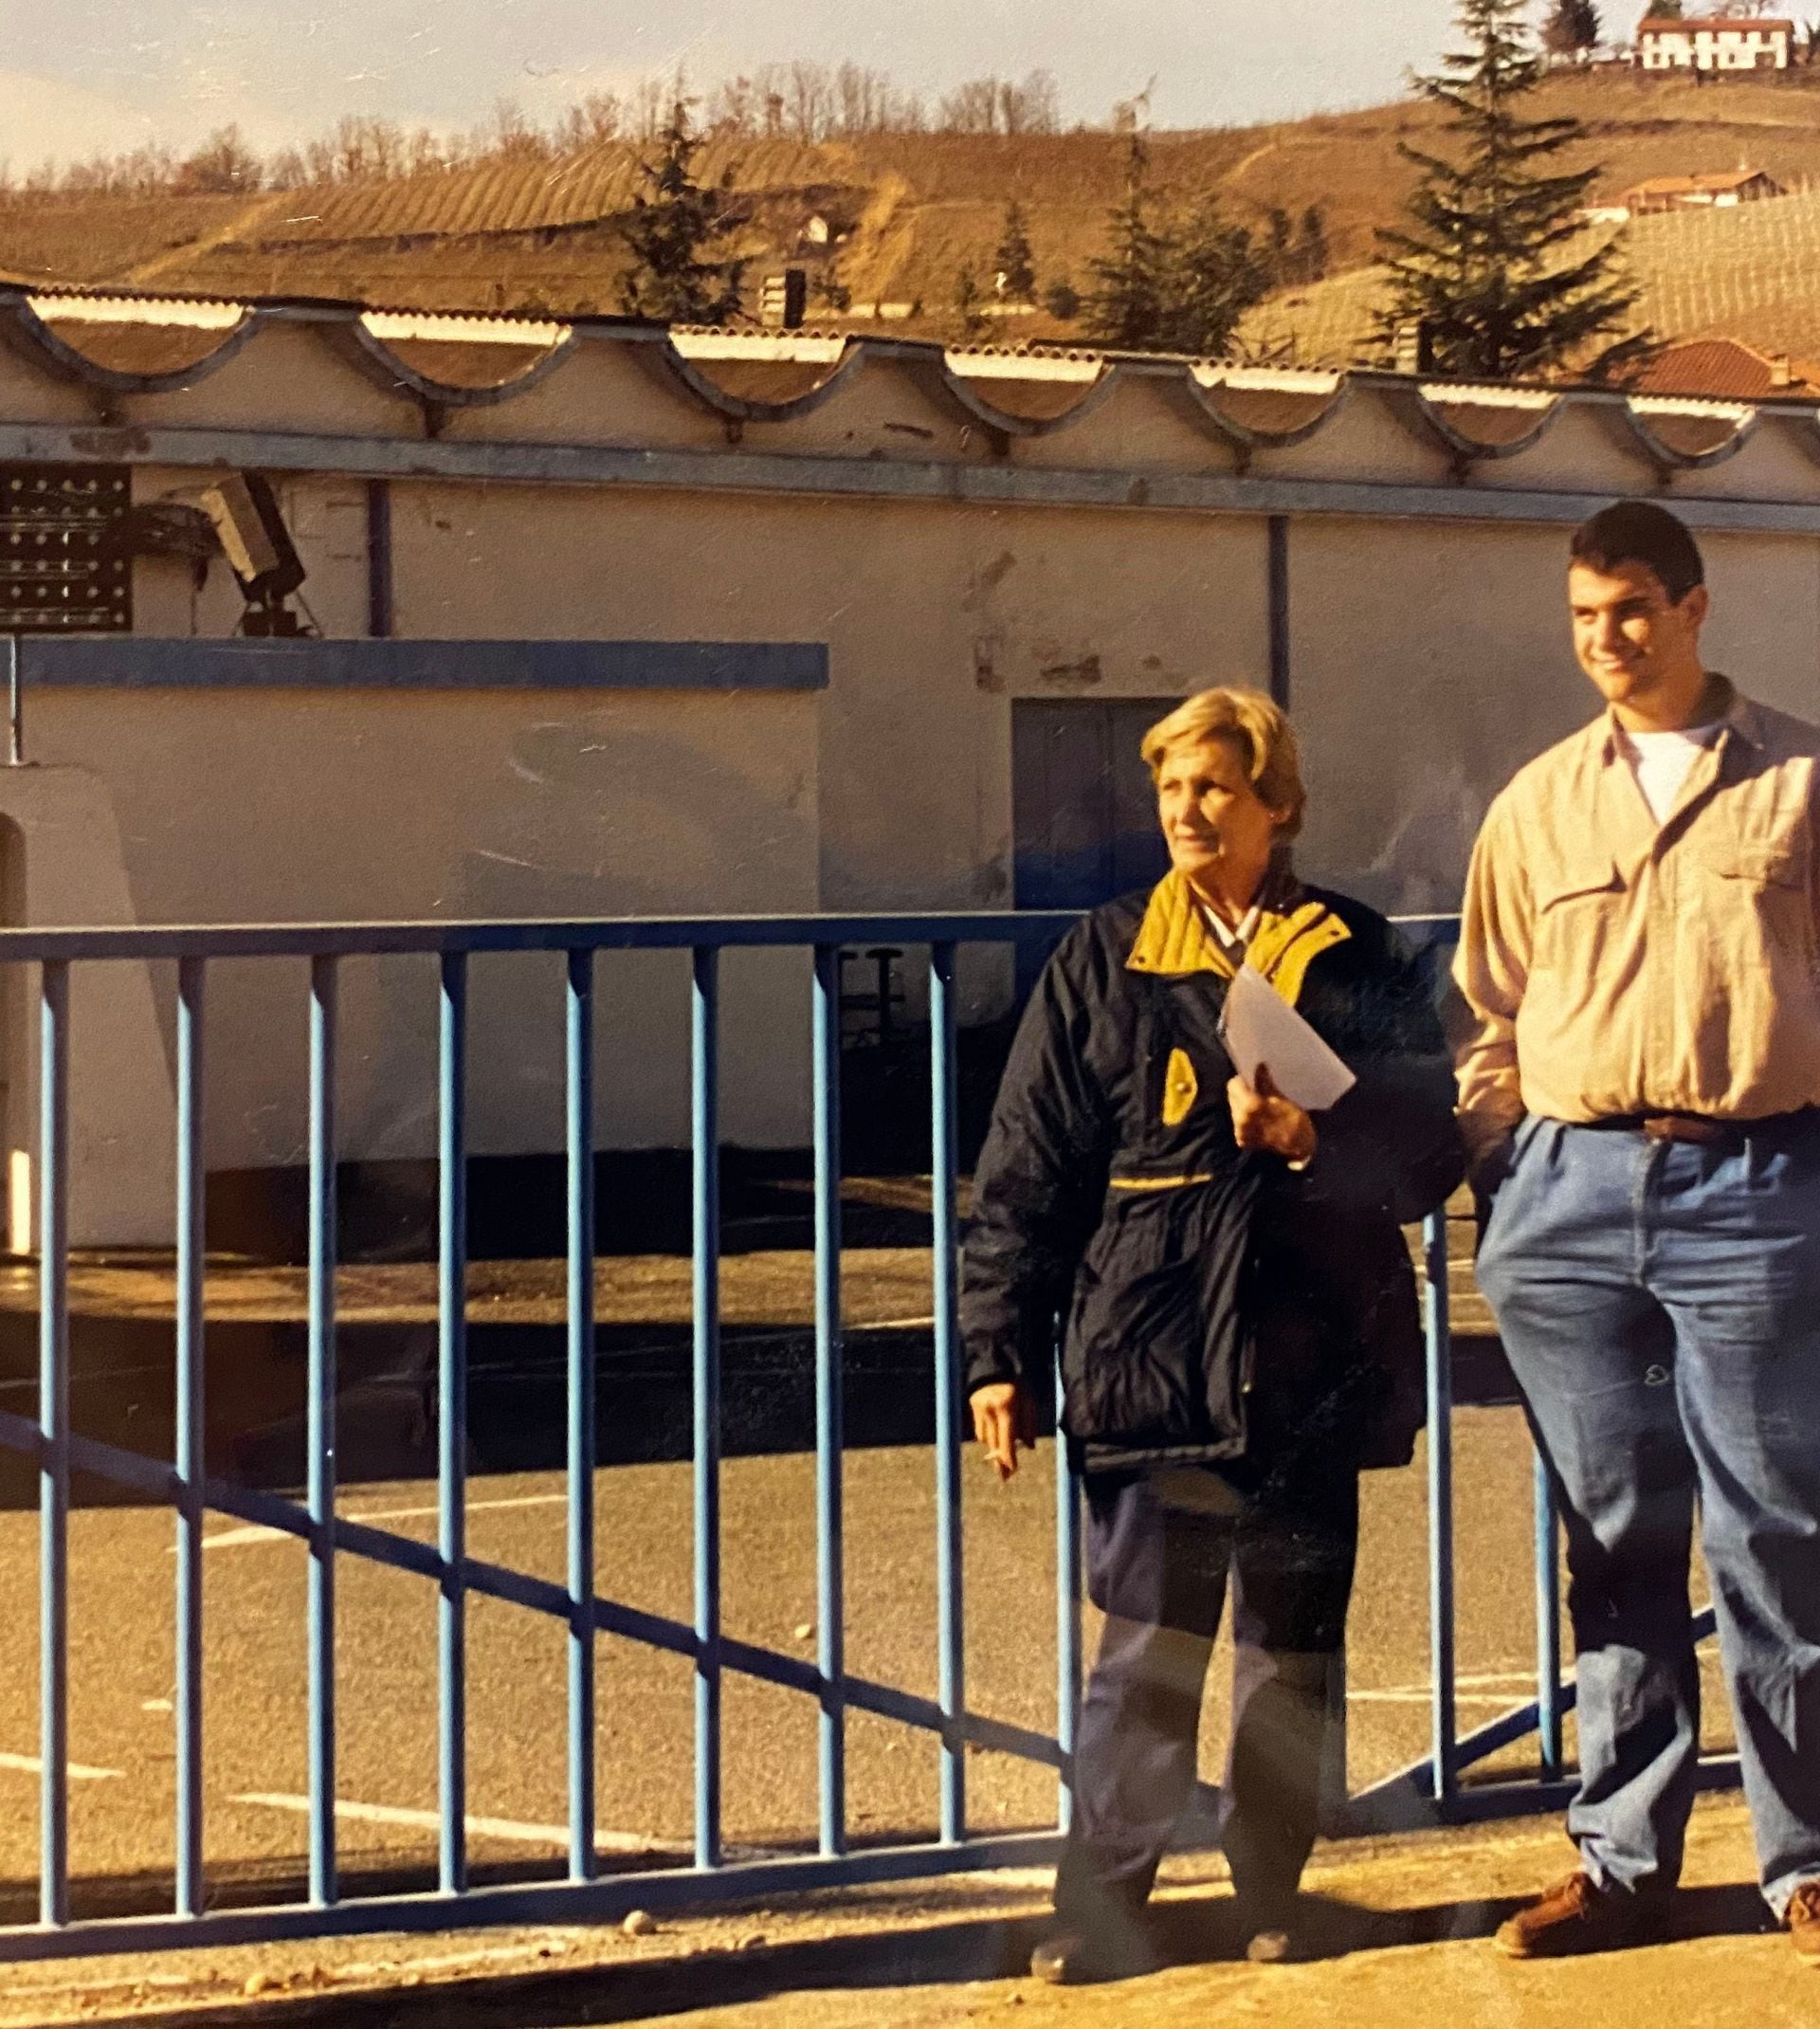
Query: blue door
x=1084, y=811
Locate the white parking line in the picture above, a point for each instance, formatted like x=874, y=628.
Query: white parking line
x=79, y=1771
x=501, y=1828
x=1498, y=1688
x=234, y=1539
x=1423, y=1697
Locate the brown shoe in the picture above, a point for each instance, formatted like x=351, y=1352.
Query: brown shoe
x=1578, y=1915
x=1803, y=1919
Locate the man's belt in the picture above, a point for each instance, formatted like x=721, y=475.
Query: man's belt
x=1694, y=1127
x=1702, y=1131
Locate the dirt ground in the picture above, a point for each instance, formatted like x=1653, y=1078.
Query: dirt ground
x=1401, y=1926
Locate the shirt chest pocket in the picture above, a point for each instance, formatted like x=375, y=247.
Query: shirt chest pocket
x=1757, y=886
x=1580, y=906
x=1774, y=863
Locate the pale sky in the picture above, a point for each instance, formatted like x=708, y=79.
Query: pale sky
x=84, y=75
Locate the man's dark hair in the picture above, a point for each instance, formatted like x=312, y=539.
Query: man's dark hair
x=1640, y=532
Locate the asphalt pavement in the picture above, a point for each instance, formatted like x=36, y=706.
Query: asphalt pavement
x=123, y=1570
x=121, y=1739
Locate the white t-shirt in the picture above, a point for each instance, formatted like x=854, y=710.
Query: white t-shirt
x=1663, y=761
x=1233, y=941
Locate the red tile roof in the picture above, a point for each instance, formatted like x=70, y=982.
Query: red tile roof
x=1724, y=370
x=1726, y=179
x=1672, y=26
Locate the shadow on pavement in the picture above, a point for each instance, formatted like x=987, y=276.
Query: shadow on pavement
x=124, y=1393
x=1200, y=1930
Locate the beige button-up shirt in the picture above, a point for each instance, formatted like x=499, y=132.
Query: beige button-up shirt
x=1616, y=965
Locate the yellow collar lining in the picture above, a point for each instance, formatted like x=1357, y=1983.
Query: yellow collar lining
x=1174, y=939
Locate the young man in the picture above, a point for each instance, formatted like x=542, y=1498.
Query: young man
x=1641, y=1092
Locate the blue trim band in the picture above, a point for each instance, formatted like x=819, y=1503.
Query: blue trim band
x=123, y=662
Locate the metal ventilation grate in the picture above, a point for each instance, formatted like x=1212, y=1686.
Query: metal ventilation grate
x=59, y=573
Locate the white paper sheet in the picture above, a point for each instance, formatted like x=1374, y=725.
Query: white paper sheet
x=1262, y=1027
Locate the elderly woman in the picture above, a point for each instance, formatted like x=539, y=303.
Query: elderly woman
x=1236, y=1310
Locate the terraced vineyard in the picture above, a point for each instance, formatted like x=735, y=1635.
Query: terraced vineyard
x=906, y=213
x=1752, y=273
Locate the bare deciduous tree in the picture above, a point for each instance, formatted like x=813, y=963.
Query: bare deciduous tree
x=591, y=121
x=223, y=163
x=812, y=101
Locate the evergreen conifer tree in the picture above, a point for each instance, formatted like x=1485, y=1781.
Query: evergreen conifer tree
x=1487, y=264
x=1062, y=299
x=1572, y=28
x=1125, y=303
x=1216, y=273
x=676, y=234
x=968, y=302
x=1174, y=281
x=1313, y=255
x=831, y=287
x=1015, y=262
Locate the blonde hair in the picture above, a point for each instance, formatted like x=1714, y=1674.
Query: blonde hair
x=1257, y=727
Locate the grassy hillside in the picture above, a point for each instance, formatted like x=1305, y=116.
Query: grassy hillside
x=909, y=211
x=1753, y=274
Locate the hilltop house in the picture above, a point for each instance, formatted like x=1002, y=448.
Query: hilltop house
x=1682, y=194
x=1716, y=46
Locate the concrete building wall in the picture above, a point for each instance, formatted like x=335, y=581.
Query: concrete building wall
x=237, y=806
x=1426, y=664
x=1429, y=663
x=949, y=566
x=934, y=617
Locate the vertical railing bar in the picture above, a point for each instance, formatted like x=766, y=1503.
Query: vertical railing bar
x=451, y=1495
x=944, y=1161
x=16, y=705
x=53, y=1420
x=706, y=1145
x=831, y=1606
x=190, y=1243
x=1336, y=1788
x=579, y=1045
x=1548, y=1625
x=1439, y=1345
x=1068, y=1658
x=322, y=1366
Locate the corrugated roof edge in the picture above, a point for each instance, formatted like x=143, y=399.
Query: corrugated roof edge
x=25, y=318
x=1435, y=398
x=962, y=374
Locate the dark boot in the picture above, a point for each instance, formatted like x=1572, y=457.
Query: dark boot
x=1125, y=1949
x=1103, y=1929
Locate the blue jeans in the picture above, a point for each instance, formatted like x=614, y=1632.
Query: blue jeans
x=1659, y=1305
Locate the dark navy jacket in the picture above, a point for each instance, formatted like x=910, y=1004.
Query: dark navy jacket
x=1112, y=1202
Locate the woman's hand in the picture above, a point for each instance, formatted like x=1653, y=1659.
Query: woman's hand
x=1003, y=1418
x=1262, y=1117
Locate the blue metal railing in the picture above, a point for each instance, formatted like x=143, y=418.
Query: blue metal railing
x=1430, y=1789
x=320, y=1434
x=51, y=1438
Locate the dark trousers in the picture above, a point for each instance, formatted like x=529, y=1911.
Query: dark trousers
x=1160, y=1547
